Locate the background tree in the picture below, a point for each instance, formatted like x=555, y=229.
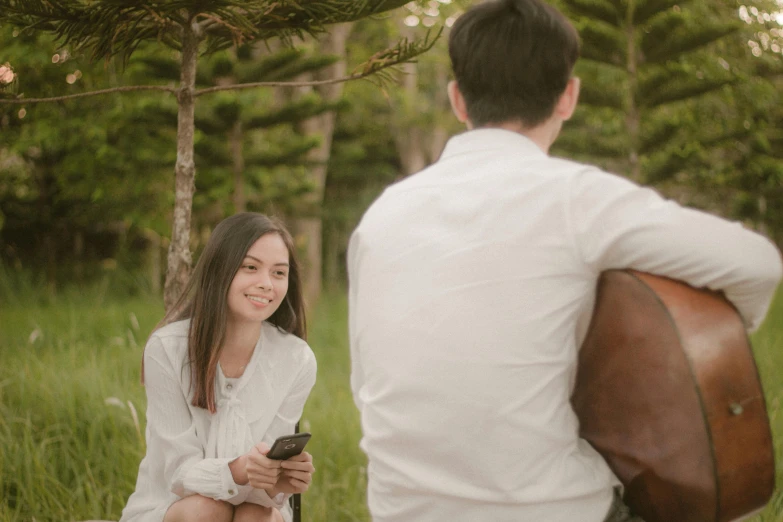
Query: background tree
x=66, y=185
x=748, y=173
x=308, y=223
x=382, y=138
x=642, y=62
x=107, y=29
x=678, y=95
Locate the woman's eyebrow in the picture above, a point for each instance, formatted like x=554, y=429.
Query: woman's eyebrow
x=261, y=262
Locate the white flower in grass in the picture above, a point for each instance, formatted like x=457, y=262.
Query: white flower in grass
x=35, y=335
x=114, y=401
x=135, y=417
x=131, y=339
x=134, y=321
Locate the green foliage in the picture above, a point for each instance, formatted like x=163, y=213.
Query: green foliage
x=66, y=179
x=366, y=151
x=107, y=28
x=71, y=444
x=672, y=95
x=135, y=139
x=644, y=60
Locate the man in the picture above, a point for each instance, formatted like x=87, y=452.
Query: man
x=470, y=282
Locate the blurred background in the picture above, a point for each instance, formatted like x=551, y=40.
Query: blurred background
x=683, y=96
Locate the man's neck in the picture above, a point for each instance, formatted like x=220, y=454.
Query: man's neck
x=543, y=135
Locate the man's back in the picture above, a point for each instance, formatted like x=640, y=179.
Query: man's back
x=471, y=285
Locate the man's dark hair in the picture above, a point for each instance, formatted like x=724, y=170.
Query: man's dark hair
x=512, y=60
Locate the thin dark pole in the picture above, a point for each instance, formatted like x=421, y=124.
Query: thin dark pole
x=296, y=500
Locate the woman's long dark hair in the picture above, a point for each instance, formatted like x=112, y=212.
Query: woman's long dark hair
x=204, y=299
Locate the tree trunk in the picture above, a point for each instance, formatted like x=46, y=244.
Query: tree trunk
x=411, y=141
x=179, y=256
x=331, y=271
x=235, y=141
x=45, y=214
x=632, y=116
x=409, y=137
x=78, y=256
x=309, y=225
x=440, y=135
x=152, y=259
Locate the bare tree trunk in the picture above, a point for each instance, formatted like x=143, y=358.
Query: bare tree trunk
x=50, y=249
x=440, y=135
x=78, y=256
x=410, y=138
x=310, y=224
x=179, y=256
x=45, y=206
x=235, y=141
x=331, y=271
x=152, y=259
x=632, y=116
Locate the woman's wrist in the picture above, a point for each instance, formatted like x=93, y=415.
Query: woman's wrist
x=238, y=469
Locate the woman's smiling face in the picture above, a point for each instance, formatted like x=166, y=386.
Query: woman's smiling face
x=261, y=283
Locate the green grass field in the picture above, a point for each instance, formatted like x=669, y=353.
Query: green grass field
x=72, y=408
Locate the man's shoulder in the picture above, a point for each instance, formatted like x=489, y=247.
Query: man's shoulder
x=586, y=174
x=389, y=198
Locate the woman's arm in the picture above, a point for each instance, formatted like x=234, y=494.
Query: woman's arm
x=284, y=423
x=172, y=444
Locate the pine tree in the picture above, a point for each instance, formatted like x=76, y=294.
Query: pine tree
x=65, y=183
x=642, y=62
x=108, y=29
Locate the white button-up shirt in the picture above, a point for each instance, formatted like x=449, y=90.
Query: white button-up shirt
x=189, y=449
x=471, y=285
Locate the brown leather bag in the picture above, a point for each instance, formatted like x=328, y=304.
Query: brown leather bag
x=668, y=392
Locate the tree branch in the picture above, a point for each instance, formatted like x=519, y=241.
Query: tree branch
x=22, y=101
x=238, y=86
x=404, y=51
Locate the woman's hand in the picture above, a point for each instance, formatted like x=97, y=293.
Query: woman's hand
x=297, y=474
x=238, y=469
x=262, y=473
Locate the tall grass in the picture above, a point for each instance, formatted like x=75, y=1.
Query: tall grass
x=768, y=351
x=65, y=453
x=69, y=385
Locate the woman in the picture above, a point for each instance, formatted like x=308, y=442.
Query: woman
x=227, y=374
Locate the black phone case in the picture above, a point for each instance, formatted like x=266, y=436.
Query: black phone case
x=287, y=446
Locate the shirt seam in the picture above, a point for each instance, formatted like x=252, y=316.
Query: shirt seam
x=569, y=221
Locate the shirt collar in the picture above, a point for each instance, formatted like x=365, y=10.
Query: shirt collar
x=484, y=139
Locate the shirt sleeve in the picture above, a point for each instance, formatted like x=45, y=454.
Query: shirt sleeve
x=285, y=420
x=620, y=225
x=171, y=437
x=260, y=497
x=291, y=408
x=357, y=376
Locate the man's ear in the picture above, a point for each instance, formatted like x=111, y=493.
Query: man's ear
x=457, y=102
x=566, y=104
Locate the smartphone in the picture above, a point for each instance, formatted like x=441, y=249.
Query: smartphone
x=287, y=446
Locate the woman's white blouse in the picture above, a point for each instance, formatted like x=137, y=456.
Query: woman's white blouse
x=189, y=449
